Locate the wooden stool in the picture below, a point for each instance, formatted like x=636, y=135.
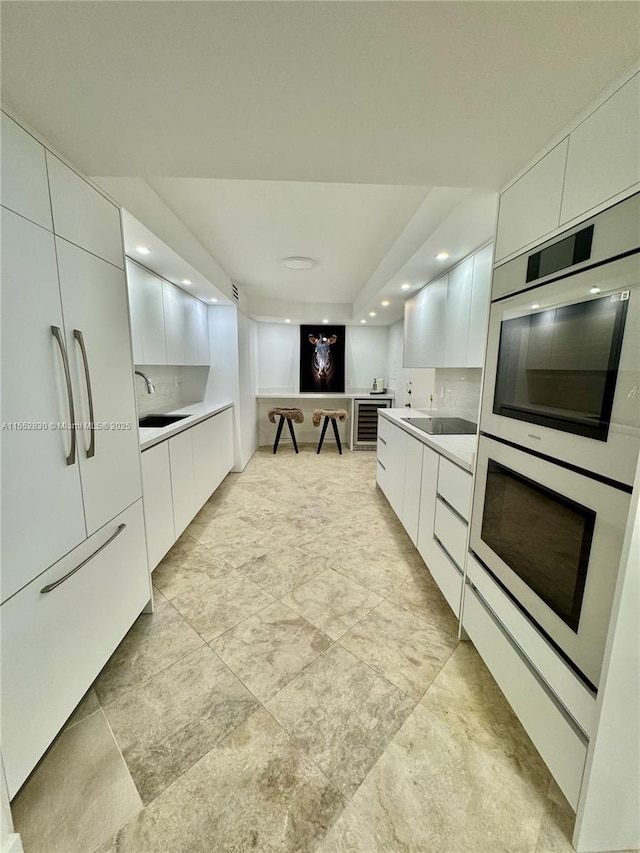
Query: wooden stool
x=288, y=415
x=329, y=415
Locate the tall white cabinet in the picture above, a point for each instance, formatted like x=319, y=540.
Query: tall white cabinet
x=74, y=573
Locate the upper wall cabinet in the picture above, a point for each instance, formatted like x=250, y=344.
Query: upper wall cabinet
x=147, y=316
x=445, y=323
x=423, y=326
x=604, y=153
x=25, y=189
x=530, y=208
x=167, y=325
x=82, y=215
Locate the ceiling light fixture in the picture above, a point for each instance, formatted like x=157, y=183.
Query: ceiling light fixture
x=442, y=256
x=405, y=286
x=142, y=250
x=594, y=290
x=287, y=320
x=363, y=321
x=325, y=321
x=385, y=303
x=298, y=263
x=535, y=305
x=186, y=281
x=214, y=300
x=372, y=313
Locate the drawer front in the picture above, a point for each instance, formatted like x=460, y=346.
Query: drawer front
x=451, y=531
x=454, y=484
x=54, y=644
x=559, y=743
x=448, y=577
x=158, y=502
x=385, y=430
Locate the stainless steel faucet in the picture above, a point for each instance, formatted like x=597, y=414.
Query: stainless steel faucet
x=151, y=388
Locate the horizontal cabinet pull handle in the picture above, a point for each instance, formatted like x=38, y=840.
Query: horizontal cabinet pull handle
x=51, y=586
x=382, y=439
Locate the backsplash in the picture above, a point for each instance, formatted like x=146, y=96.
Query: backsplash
x=168, y=384
x=457, y=392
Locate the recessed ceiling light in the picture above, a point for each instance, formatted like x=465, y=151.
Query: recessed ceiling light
x=594, y=290
x=372, y=313
x=142, y=250
x=298, y=263
x=385, y=303
x=363, y=321
x=325, y=321
x=287, y=320
x=405, y=286
x=186, y=281
x=442, y=256
x=535, y=305
x=213, y=300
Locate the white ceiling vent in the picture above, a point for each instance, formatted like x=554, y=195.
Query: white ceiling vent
x=234, y=287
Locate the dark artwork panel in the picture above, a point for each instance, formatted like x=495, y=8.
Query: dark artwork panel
x=322, y=358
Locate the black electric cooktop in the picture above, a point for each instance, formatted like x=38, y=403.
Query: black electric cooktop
x=443, y=426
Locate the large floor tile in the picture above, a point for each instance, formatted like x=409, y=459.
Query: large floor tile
x=377, y=570
x=269, y=649
x=212, y=530
x=401, y=647
x=242, y=546
x=351, y=833
x=281, y=571
x=79, y=795
x=342, y=714
x=254, y=792
x=419, y=594
x=168, y=723
x=187, y=565
x=217, y=605
x=460, y=775
x=155, y=641
x=332, y=602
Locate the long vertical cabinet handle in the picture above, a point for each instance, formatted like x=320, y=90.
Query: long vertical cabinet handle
x=57, y=334
x=77, y=334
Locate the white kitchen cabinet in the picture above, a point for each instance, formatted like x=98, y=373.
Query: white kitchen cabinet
x=190, y=328
x=82, y=215
x=530, y=208
x=603, y=162
x=205, y=449
x=202, y=326
x=173, y=323
x=451, y=532
x=24, y=189
x=424, y=316
x=182, y=479
x=158, y=502
x=94, y=298
x=391, y=458
x=454, y=485
x=479, y=309
x=457, y=314
x=55, y=643
x=412, y=485
x=147, y=316
x=428, y=488
x=42, y=510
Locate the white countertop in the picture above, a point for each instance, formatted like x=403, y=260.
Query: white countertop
x=460, y=449
x=195, y=412
x=325, y=395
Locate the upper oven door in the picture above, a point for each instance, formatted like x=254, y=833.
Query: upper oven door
x=563, y=369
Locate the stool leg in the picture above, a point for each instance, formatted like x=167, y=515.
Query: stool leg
x=335, y=432
x=293, y=435
x=324, y=429
x=278, y=433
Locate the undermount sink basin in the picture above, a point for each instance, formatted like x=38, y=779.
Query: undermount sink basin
x=159, y=420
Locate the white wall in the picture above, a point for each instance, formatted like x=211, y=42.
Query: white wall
x=278, y=357
x=248, y=432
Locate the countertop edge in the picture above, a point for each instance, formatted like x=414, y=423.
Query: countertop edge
x=434, y=442
x=149, y=437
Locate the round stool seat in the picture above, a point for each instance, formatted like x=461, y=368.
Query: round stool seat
x=318, y=414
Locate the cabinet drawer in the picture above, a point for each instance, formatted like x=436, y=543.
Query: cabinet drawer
x=385, y=429
x=447, y=575
x=454, y=484
x=451, y=531
x=558, y=741
x=54, y=644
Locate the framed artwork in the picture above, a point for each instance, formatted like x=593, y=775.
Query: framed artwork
x=322, y=358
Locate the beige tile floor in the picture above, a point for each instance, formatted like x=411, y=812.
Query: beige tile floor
x=299, y=687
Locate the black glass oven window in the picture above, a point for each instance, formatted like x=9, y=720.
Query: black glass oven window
x=544, y=537
x=558, y=368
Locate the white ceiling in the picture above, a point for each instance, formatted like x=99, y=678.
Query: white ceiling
x=311, y=128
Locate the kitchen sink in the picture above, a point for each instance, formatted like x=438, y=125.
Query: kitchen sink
x=159, y=420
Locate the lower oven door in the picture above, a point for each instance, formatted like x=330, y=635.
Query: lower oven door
x=553, y=538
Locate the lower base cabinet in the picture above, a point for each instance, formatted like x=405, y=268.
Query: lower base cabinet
x=60, y=630
x=179, y=476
